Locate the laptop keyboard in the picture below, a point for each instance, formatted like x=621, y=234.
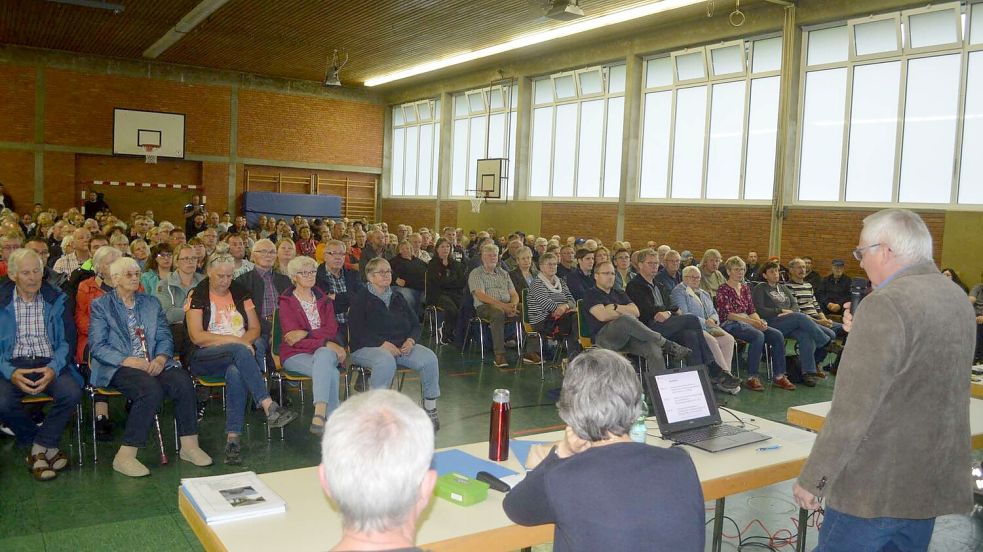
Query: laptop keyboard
x=706, y=433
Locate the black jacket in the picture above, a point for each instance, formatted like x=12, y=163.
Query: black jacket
x=445, y=280
x=650, y=299
x=201, y=300
x=834, y=290
x=253, y=284
x=370, y=323
x=414, y=271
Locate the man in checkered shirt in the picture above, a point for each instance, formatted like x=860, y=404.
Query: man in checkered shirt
x=338, y=282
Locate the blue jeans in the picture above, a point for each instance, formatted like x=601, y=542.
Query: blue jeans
x=66, y=393
x=756, y=340
x=241, y=369
x=843, y=532
x=414, y=297
x=322, y=367
x=383, y=366
x=809, y=335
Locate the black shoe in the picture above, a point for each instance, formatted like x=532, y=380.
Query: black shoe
x=727, y=383
x=104, y=429
x=232, y=454
x=809, y=380
x=676, y=351
x=434, y=419
x=361, y=382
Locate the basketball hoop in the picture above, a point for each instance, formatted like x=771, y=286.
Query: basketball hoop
x=151, y=153
x=476, y=201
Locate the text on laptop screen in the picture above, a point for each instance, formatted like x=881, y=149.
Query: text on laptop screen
x=682, y=396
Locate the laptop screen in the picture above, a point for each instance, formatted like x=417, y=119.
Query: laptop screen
x=683, y=398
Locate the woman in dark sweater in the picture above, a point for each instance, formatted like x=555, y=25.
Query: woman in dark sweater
x=384, y=330
x=409, y=274
x=603, y=491
x=446, y=278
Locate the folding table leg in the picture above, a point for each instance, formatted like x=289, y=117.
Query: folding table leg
x=718, y=525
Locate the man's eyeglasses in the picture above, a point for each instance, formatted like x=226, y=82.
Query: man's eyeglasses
x=383, y=272
x=605, y=273
x=186, y=259
x=858, y=253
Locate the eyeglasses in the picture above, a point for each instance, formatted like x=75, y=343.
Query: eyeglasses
x=165, y=254
x=131, y=274
x=186, y=259
x=334, y=253
x=858, y=253
x=265, y=251
x=307, y=273
x=383, y=272
x=605, y=273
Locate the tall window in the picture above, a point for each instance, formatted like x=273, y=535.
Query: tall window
x=710, y=122
x=578, y=117
x=416, y=147
x=483, y=128
x=892, y=109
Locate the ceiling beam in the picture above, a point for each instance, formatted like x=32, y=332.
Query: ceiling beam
x=187, y=23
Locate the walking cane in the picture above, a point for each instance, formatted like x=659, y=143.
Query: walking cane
x=160, y=437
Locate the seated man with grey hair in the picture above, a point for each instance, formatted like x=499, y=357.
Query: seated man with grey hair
x=495, y=298
x=375, y=466
x=603, y=491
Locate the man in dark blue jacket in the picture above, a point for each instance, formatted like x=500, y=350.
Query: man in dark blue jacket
x=581, y=279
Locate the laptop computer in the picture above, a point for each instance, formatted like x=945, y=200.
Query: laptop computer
x=687, y=410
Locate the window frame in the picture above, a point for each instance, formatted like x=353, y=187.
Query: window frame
x=509, y=104
x=416, y=126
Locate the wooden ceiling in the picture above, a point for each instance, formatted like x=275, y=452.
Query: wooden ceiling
x=286, y=38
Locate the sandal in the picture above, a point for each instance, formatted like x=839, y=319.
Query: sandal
x=318, y=429
x=59, y=461
x=39, y=467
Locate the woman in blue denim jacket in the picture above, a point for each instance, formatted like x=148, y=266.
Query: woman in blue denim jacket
x=691, y=299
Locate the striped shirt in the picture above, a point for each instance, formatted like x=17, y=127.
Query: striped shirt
x=805, y=297
x=542, y=301
x=32, y=337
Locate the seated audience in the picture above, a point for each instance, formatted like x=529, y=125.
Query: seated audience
x=225, y=332
x=374, y=247
x=552, y=309
x=10, y=241
x=132, y=352
x=568, y=263
x=173, y=291
x=805, y=296
x=159, y=265
x=739, y=318
x=139, y=251
x=835, y=290
x=375, y=466
x=670, y=275
x=951, y=274
x=691, y=299
x=495, y=299
x=311, y=345
x=509, y=260
x=601, y=255
x=811, y=276
x=416, y=240
x=71, y=261
x=614, y=324
x=446, y=279
x=237, y=248
x=264, y=283
x=306, y=244
x=753, y=273
x=410, y=276
x=338, y=282
x=711, y=278
x=285, y=251
x=525, y=271
x=776, y=304
x=35, y=358
x=384, y=332
x=603, y=491
x=623, y=272
x=581, y=279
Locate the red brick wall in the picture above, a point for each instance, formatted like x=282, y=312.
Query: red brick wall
x=448, y=213
x=599, y=220
x=167, y=203
x=17, y=175
x=59, y=181
x=300, y=128
x=415, y=212
x=732, y=230
x=16, y=103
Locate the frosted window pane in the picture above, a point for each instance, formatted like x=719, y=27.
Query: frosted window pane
x=409, y=113
x=495, y=99
x=590, y=82
x=931, y=109
x=976, y=25
x=727, y=60
x=658, y=72
x=822, y=135
x=435, y=148
x=612, y=150
x=873, y=131
x=459, y=159
x=589, y=151
x=436, y=110
x=759, y=169
x=564, y=149
x=496, y=142
x=828, y=45
x=690, y=66
x=930, y=29
x=655, y=144
x=565, y=88
x=542, y=143
x=426, y=149
x=509, y=184
x=876, y=37
x=398, y=116
x=476, y=101
x=412, y=156
x=476, y=150
x=726, y=136
x=687, y=158
x=544, y=91
x=399, y=154
x=460, y=106
x=616, y=79
x=767, y=55
x=971, y=174
x=426, y=114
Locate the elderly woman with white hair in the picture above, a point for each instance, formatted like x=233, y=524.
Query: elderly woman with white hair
x=132, y=352
x=711, y=277
x=603, y=491
x=691, y=299
x=311, y=344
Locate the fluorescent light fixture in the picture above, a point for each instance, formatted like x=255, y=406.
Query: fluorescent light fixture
x=192, y=19
x=536, y=38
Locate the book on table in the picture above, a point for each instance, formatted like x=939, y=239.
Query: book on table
x=231, y=497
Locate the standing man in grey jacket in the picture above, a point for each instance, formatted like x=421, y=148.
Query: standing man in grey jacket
x=891, y=455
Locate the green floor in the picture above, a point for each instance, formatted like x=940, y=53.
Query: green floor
x=94, y=508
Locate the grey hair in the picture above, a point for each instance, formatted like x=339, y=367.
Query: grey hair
x=646, y=253
x=710, y=254
x=220, y=258
x=376, y=450
x=600, y=395
x=735, y=262
x=671, y=253
x=19, y=257
x=375, y=263
x=691, y=269
x=795, y=262
x=489, y=248
x=103, y=257
x=299, y=263
x=524, y=250
x=903, y=231
x=663, y=249
x=121, y=265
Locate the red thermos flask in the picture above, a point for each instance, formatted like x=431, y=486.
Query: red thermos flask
x=498, y=432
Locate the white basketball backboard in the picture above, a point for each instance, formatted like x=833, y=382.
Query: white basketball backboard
x=134, y=129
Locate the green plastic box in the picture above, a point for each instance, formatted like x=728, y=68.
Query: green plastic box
x=461, y=490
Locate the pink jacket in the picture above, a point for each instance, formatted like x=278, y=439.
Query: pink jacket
x=292, y=317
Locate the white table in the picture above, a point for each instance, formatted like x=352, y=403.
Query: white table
x=311, y=522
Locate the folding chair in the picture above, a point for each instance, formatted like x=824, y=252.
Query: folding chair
x=531, y=332
x=45, y=399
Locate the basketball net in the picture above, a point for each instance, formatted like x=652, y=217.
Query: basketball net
x=476, y=201
x=151, y=153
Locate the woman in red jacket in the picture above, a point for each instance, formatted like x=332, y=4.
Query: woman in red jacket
x=310, y=338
